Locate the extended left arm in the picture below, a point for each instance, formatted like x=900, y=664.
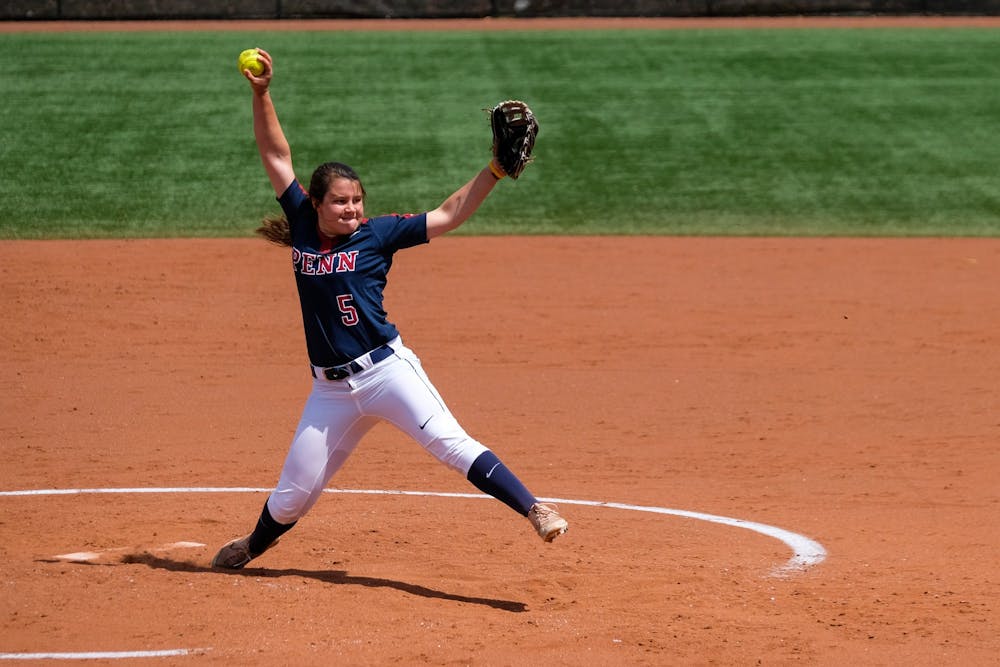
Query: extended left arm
x=457, y=208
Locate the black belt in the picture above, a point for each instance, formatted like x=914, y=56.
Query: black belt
x=380, y=353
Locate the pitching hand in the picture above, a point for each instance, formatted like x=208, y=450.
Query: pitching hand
x=261, y=83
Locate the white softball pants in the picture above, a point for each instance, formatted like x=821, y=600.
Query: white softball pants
x=339, y=413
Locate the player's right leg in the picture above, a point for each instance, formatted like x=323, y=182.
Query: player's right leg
x=329, y=430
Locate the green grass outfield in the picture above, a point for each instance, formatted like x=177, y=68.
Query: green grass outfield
x=762, y=132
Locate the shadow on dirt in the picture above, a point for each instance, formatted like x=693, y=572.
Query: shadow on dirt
x=337, y=577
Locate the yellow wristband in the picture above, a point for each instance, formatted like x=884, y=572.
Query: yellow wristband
x=496, y=170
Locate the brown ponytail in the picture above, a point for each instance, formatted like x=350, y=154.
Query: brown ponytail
x=276, y=230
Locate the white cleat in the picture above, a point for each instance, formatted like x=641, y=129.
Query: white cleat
x=235, y=554
x=546, y=520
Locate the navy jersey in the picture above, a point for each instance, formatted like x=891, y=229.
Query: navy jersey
x=340, y=286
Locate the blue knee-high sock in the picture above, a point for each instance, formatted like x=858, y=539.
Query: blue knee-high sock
x=266, y=532
x=491, y=476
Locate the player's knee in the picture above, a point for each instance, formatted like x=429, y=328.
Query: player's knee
x=457, y=452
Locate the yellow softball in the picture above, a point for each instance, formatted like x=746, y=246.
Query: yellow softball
x=248, y=60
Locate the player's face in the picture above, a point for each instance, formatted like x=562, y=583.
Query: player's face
x=342, y=209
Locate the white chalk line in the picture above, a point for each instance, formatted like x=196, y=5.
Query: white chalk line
x=806, y=552
x=102, y=655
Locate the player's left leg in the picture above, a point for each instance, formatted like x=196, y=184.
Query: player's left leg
x=401, y=393
x=490, y=475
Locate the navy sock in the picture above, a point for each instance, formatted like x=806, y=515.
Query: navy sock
x=491, y=476
x=266, y=532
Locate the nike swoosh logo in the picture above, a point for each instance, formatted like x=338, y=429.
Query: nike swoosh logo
x=426, y=422
x=491, y=470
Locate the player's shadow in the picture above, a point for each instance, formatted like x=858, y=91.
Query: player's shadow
x=338, y=577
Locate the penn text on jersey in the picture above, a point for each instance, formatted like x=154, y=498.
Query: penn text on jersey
x=313, y=264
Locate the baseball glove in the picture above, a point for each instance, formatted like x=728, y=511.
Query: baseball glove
x=514, y=130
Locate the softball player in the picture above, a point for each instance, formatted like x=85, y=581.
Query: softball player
x=362, y=370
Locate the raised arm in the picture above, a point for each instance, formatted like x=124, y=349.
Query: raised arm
x=514, y=129
x=274, y=150
x=457, y=208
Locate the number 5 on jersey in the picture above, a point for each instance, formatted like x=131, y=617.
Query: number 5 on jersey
x=350, y=313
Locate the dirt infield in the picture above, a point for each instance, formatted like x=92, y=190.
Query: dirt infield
x=844, y=390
